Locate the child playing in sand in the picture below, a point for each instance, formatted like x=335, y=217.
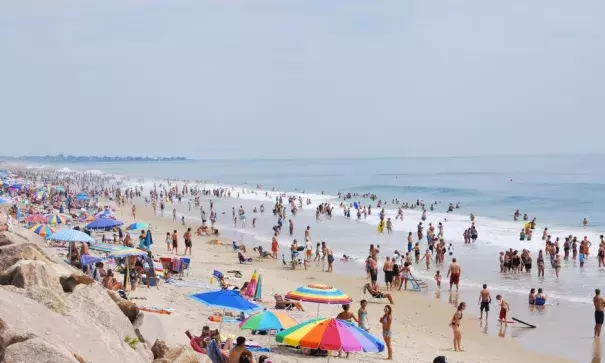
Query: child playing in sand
x=438, y=279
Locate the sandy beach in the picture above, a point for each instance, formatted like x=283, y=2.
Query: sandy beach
x=420, y=326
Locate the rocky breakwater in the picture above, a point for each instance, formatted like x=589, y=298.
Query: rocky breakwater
x=51, y=312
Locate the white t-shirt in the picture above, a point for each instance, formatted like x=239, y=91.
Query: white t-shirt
x=309, y=246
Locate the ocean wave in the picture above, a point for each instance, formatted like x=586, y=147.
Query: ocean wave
x=445, y=173
x=395, y=189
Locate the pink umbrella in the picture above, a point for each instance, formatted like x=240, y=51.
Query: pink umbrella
x=37, y=219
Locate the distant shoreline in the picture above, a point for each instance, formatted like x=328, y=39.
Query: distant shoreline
x=90, y=159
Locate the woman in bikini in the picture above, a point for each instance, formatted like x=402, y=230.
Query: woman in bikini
x=386, y=321
x=455, y=324
x=540, y=264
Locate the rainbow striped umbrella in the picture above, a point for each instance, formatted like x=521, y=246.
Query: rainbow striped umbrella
x=267, y=320
x=42, y=230
x=330, y=334
x=321, y=294
x=56, y=219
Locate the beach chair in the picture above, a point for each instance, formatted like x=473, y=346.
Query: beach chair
x=185, y=261
x=194, y=344
x=282, y=304
x=417, y=284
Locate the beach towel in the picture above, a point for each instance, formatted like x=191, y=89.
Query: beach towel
x=153, y=309
x=196, y=284
x=214, y=352
x=177, y=265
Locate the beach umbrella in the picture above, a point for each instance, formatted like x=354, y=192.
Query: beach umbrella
x=90, y=218
x=137, y=226
x=267, y=320
x=225, y=299
x=15, y=186
x=259, y=287
x=56, y=219
x=330, y=334
x=320, y=294
x=251, y=289
x=42, y=230
x=36, y=219
x=103, y=223
x=70, y=235
x=6, y=200
x=59, y=188
x=82, y=196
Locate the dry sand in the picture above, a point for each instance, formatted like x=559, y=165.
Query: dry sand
x=420, y=325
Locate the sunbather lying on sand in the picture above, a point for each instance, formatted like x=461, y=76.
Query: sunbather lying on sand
x=111, y=283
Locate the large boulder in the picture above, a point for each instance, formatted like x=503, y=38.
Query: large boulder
x=70, y=282
x=12, y=253
x=37, y=350
x=183, y=354
x=159, y=349
x=36, y=280
x=129, y=308
x=180, y=354
x=9, y=238
x=26, y=274
x=94, y=327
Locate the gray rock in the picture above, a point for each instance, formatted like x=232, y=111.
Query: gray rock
x=37, y=350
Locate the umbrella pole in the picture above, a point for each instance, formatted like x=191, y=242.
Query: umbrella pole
x=220, y=327
x=318, y=310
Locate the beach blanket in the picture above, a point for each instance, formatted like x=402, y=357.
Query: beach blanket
x=153, y=309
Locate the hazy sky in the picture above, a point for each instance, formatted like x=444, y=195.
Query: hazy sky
x=302, y=78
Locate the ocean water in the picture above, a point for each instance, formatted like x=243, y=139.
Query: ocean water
x=559, y=191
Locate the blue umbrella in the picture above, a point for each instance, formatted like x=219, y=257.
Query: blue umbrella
x=82, y=196
x=225, y=299
x=5, y=201
x=70, y=235
x=15, y=186
x=103, y=223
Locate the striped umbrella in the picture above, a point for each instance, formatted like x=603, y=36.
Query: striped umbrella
x=268, y=320
x=330, y=334
x=56, y=219
x=320, y=294
x=42, y=230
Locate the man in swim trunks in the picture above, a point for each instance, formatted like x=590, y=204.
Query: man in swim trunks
x=454, y=274
x=484, y=300
x=599, y=303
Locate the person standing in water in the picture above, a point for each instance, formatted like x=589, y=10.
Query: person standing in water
x=484, y=300
x=455, y=324
x=504, y=308
x=599, y=303
x=454, y=274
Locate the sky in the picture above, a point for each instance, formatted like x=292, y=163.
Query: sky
x=302, y=78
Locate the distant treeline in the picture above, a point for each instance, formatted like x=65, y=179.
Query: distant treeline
x=91, y=159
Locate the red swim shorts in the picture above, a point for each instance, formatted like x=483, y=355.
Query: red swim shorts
x=454, y=279
x=503, y=314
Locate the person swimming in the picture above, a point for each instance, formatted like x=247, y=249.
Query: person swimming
x=538, y=299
